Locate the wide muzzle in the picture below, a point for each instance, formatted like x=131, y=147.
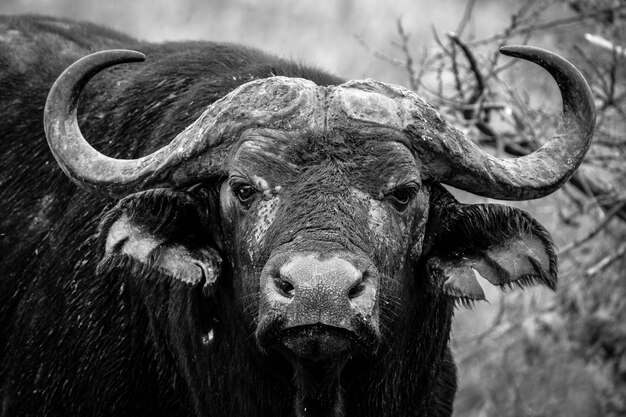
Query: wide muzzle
x=320, y=305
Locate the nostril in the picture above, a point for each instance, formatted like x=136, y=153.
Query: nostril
x=359, y=287
x=356, y=290
x=285, y=288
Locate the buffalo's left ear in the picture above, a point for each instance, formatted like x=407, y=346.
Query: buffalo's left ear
x=505, y=245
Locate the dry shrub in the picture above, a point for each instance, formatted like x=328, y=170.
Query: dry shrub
x=536, y=353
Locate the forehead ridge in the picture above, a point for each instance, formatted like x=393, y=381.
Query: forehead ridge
x=330, y=143
x=374, y=162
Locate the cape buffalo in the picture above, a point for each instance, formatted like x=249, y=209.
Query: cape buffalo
x=261, y=238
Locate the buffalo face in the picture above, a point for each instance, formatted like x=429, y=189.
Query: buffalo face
x=321, y=229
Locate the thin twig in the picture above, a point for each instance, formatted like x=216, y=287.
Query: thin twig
x=423, y=66
x=467, y=16
x=471, y=59
x=605, y=44
x=606, y=261
x=408, y=58
x=603, y=224
x=438, y=41
x=547, y=25
x=455, y=71
x=592, y=65
x=377, y=54
x=579, y=202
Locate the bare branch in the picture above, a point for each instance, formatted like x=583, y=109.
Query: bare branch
x=467, y=16
x=408, y=59
x=607, y=218
x=471, y=59
x=455, y=71
x=548, y=25
x=606, y=261
x=377, y=54
x=605, y=44
x=437, y=39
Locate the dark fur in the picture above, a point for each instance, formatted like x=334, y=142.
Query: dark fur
x=126, y=341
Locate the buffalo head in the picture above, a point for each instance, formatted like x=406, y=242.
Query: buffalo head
x=325, y=206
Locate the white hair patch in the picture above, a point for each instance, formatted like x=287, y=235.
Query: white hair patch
x=266, y=216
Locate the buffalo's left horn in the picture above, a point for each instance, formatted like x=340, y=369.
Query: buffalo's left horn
x=78, y=159
x=457, y=161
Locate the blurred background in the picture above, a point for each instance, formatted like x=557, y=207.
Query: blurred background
x=524, y=353
x=327, y=33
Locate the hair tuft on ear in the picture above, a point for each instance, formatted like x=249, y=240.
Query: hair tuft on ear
x=503, y=244
x=162, y=230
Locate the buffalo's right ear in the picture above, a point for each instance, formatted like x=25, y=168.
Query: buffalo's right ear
x=505, y=245
x=164, y=230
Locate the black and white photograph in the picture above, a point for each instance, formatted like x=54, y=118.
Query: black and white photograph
x=314, y=208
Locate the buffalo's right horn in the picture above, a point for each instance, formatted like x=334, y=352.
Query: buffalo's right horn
x=194, y=154
x=455, y=160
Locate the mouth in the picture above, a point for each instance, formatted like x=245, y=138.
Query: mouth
x=317, y=342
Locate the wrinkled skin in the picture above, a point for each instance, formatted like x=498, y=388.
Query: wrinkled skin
x=194, y=301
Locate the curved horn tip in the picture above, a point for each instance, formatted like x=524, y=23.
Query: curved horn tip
x=116, y=56
x=523, y=51
x=76, y=157
x=539, y=56
x=129, y=53
x=511, y=49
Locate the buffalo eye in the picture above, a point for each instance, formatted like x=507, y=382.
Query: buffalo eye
x=401, y=197
x=245, y=193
